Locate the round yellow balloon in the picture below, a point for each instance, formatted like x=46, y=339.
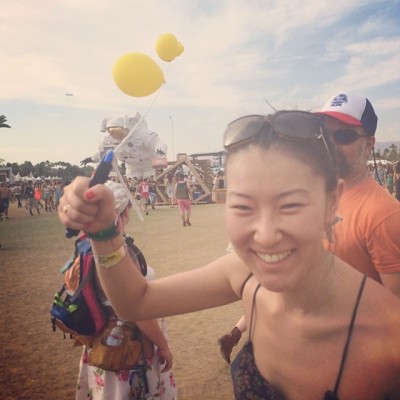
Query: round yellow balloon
x=167, y=47
x=137, y=74
x=180, y=48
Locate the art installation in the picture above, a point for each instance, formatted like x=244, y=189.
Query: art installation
x=134, y=144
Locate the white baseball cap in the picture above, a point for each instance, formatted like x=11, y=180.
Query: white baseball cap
x=351, y=109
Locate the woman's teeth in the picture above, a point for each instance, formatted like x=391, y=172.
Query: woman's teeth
x=274, y=258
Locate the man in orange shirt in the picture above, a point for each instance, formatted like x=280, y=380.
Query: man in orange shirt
x=368, y=235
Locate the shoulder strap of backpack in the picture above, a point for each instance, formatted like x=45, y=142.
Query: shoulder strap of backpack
x=81, y=244
x=137, y=254
x=79, y=289
x=82, y=250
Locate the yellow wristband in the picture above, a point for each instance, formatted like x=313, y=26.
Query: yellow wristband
x=108, y=260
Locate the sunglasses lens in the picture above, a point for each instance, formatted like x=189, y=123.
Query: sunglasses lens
x=243, y=129
x=345, y=136
x=294, y=125
x=297, y=125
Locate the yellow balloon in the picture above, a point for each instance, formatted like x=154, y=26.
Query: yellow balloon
x=137, y=74
x=167, y=47
x=180, y=48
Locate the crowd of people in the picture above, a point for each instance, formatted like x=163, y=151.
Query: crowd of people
x=177, y=188
x=32, y=195
x=388, y=176
x=38, y=194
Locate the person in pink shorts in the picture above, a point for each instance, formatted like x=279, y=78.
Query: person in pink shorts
x=183, y=195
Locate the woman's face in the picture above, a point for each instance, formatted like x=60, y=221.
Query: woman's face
x=277, y=209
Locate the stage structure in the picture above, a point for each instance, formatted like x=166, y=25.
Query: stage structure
x=201, y=195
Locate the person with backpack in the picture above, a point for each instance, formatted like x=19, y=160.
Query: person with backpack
x=156, y=361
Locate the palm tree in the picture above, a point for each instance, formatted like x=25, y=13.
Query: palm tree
x=3, y=119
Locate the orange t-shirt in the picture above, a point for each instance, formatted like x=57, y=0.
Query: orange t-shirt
x=368, y=237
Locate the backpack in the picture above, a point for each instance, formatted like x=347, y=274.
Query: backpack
x=80, y=312
x=78, y=307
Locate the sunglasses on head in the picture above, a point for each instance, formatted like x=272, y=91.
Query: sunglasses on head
x=290, y=125
x=345, y=136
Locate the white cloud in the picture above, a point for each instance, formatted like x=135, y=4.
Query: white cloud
x=237, y=52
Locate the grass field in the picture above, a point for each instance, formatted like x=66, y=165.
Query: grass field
x=37, y=364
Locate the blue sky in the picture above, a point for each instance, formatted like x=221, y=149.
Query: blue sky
x=295, y=54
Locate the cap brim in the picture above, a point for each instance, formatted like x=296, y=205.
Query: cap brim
x=347, y=119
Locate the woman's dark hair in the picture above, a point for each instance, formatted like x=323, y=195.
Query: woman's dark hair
x=311, y=152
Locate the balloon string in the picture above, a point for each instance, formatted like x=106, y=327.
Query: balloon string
x=154, y=100
x=158, y=92
x=122, y=181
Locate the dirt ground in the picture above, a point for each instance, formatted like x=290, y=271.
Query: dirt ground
x=39, y=364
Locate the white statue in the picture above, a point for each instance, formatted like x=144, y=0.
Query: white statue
x=133, y=143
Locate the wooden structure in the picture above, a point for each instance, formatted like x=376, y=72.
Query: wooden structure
x=203, y=196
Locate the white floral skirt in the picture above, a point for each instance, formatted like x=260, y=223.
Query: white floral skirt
x=97, y=384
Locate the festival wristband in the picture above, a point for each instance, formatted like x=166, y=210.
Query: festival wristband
x=108, y=260
x=106, y=234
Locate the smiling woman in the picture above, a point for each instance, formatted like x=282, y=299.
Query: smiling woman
x=302, y=305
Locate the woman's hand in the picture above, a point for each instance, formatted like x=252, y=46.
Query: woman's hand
x=87, y=209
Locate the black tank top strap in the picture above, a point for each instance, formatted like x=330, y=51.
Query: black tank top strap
x=253, y=306
x=329, y=395
x=244, y=284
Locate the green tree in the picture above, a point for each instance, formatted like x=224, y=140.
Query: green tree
x=44, y=168
x=3, y=119
x=14, y=166
x=386, y=152
x=26, y=168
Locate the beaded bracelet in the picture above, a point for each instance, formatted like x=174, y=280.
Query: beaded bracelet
x=108, y=260
x=106, y=234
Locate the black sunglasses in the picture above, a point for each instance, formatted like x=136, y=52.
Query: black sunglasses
x=346, y=136
x=291, y=125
